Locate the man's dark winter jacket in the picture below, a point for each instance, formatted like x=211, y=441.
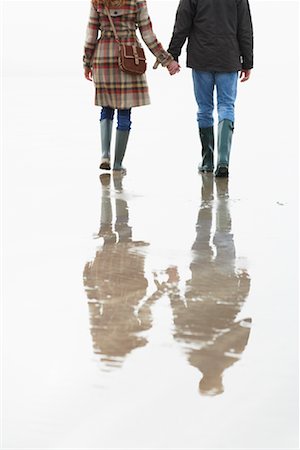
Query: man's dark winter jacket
x=219, y=32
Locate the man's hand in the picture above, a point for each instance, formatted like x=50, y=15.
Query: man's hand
x=245, y=75
x=88, y=73
x=173, y=67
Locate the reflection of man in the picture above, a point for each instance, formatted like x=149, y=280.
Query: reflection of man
x=115, y=283
x=205, y=319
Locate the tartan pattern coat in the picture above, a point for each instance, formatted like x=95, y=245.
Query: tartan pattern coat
x=115, y=88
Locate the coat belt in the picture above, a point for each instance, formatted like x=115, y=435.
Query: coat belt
x=125, y=33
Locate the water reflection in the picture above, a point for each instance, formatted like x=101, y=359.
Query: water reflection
x=205, y=314
x=115, y=282
x=205, y=307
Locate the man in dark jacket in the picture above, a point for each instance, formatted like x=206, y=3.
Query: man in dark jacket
x=220, y=44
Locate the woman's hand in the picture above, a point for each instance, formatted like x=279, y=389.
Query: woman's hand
x=173, y=67
x=88, y=73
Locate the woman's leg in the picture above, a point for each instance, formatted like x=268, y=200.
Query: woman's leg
x=123, y=130
x=106, y=121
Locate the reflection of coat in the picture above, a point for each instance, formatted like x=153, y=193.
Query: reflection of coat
x=115, y=285
x=205, y=322
x=209, y=310
x=114, y=87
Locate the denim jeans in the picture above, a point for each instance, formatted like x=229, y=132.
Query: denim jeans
x=124, y=122
x=204, y=84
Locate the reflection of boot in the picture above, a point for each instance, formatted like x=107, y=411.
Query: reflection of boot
x=105, y=179
x=204, y=221
x=120, y=149
x=207, y=141
x=106, y=130
x=222, y=187
x=207, y=190
x=105, y=230
x=223, y=238
x=223, y=218
x=118, y=180
x=225, y=130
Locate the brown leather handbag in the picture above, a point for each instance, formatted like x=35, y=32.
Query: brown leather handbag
x=131, y=57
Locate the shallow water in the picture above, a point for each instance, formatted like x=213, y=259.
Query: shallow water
x=204, y=307
x=142, y=314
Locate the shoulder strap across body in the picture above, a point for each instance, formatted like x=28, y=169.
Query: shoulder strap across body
x=131, y=57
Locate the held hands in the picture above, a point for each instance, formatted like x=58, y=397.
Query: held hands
x=88, y=73
x=173, y=67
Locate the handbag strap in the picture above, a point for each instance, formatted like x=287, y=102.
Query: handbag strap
x=112, y=24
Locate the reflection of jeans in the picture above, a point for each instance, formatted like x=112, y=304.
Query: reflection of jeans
x=204, y=83
x=124, y=122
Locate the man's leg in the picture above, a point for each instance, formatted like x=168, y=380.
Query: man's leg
x=204, y=90
x=226, y=93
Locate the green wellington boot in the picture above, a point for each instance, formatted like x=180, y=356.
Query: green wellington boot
x=120, y=149
x=106, y=130
x=225, y=130
x=208, y=143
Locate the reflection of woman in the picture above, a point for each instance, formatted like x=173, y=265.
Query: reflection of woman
x=116, y=89
x=205, y=322
x=115, y=284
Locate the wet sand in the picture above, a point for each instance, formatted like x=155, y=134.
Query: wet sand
x=149, y=312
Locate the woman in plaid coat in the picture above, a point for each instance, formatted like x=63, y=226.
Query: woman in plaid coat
x=116, y=89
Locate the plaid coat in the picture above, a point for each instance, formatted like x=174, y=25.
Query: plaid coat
x=114, y=87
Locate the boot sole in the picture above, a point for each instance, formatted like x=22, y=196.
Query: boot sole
x=222, y=172
x=122, y=171
x=104, y=166
x=200, y=170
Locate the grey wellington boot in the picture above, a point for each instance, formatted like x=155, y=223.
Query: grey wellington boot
x=225, y=131
x=208, y=143
x=120, y=149
x=106, y=130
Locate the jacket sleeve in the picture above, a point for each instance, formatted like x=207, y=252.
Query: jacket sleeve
x=245, y=33
x=183, y=24
x=91, y=37
x=145, y=27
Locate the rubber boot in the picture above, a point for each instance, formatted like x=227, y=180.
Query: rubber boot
x=225, y=130
x=106, y=130
x=208, y=143
x=120, y=149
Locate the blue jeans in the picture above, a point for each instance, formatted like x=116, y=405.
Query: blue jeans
x=124, y=122
x=204, y=84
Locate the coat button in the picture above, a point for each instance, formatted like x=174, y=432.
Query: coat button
x=115, y=12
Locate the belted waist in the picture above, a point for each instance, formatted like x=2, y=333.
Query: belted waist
x=124, y=33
